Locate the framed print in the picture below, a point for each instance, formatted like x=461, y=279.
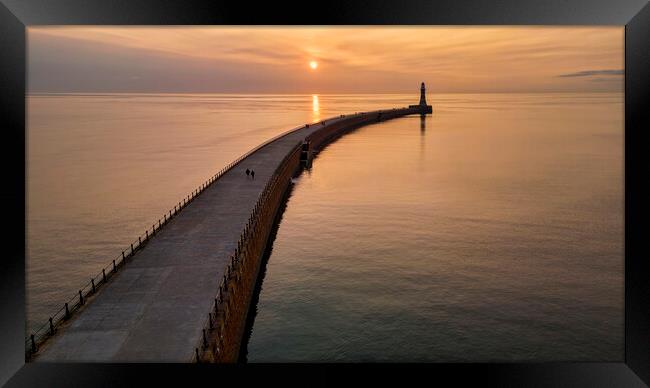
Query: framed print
x=199, y=191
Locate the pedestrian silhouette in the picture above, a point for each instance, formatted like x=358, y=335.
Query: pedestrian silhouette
x=253, y=174
x=248, y=172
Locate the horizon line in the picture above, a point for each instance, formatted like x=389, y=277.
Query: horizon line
x=321, y=94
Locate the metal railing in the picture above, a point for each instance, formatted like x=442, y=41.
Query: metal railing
x=242, y=263
x=40, y=335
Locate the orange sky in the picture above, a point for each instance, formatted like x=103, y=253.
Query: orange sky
x=350, y=60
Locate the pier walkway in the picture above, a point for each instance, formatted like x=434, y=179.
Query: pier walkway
x=154, y=309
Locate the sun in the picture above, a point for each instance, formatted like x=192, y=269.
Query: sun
x=313, y=65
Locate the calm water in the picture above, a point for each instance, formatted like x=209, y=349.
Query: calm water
x=491, y=231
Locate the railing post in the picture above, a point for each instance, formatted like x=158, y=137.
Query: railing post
x=81, y=298
x=103, y=275
x=196, y=351
x=67, y=311
x=123, y=258
x=114, y=268
x=33, y=344
x=205, y=340
x=146, y=235
x=92, y=281
x=51, y=327
x=132, y=245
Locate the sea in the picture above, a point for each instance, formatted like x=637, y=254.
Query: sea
x=491, y=230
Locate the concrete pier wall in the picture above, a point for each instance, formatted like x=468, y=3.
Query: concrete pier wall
x=329, y=133
x=224, y=328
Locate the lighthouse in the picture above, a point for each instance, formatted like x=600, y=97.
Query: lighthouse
x=423, y=100
x=422, y=107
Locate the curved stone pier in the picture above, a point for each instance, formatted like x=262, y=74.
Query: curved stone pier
x=167, y=301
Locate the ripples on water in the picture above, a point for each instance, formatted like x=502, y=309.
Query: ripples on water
x=491, y=231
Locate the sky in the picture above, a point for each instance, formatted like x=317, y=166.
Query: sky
x=388, y=59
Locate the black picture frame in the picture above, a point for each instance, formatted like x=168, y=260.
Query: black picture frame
x=16, y=15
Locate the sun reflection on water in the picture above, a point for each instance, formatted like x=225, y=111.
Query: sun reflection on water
x=315, y=107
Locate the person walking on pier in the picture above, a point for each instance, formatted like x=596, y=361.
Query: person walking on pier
x=248, y=172
x=253, y=174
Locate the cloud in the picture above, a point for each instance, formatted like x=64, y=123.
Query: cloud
x=589, y=73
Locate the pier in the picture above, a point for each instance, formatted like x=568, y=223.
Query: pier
x=182, y=292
